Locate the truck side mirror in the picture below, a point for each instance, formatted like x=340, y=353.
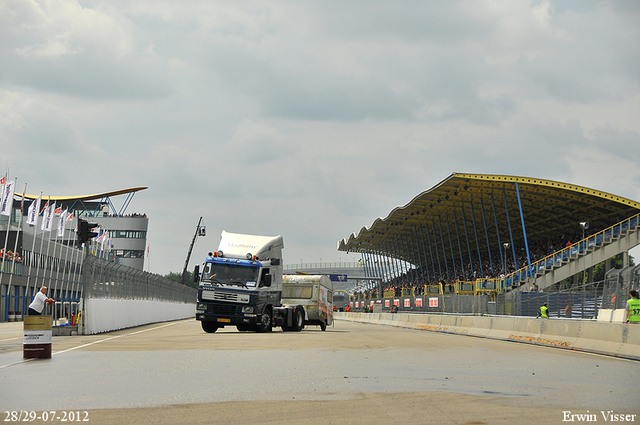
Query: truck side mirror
x=267, y=280
x=196, y=274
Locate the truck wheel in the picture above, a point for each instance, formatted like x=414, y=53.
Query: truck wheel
x=209, y=327
x=265, y=321
x=298, y=319
x=323, y=326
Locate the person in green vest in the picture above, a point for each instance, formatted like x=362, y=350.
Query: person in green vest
x=544, y=311
x=633, y=308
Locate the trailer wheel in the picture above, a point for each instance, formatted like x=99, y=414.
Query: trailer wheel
x=298, y=319
x=209, y=327
x=323, y=326
x=265, y=321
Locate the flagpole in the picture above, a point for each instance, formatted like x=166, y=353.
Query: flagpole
x=64, y=264
x=80, y=253
x=52, y=208
x=53, y=256
x=74, y=262
x=6, y=194
x=6, y=238
x=35, y=231
x=15, y=247
x=42, y=227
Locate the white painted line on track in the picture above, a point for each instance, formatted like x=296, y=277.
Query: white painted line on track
x=92, y=343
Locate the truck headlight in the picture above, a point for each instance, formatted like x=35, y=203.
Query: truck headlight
x=247, y=310
x=201, y=306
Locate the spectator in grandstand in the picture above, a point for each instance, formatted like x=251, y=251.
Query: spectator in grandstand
x=567, y=310
x=632, y=312
x=36, y=307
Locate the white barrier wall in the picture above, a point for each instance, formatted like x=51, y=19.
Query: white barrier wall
x=104, y=315
x=614, y=339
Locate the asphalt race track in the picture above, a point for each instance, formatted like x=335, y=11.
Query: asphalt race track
x=171, y=373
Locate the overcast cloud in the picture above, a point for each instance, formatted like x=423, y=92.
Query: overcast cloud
x=311, y=119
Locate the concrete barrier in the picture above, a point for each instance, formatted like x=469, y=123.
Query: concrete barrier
x=104, y=315
x=602, y=337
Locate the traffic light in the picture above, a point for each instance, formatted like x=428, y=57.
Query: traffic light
x=84, y=231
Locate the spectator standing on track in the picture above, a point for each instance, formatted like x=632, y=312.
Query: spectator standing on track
x=544, y=311
x=633, y=308
x=567, y=310
x=36, y=307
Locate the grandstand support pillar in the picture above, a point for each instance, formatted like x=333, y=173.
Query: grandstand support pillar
x=466, y=235
x=453, y=257
x=422, y=267
x=486, y=234
x=426, y=260
x=590, y=275
x=455, y=221
x=524, y=231
x=399, y=256
x=513, y=247
x=607, y=265
x=625, y=259
x=444, y=249
x=437, y=256
x=475, y=234
x=495, y=218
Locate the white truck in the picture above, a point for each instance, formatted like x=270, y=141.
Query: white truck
x=241, y=285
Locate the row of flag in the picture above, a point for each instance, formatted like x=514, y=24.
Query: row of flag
x=47, y=212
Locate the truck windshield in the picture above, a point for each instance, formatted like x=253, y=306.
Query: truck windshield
x=231, y=274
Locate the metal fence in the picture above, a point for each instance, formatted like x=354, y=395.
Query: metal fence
x=580, y=301
x=104, y=279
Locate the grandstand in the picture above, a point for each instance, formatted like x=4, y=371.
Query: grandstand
x=483, y=233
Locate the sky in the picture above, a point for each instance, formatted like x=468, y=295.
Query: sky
x=311, y=119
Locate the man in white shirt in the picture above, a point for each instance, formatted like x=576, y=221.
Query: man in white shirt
x=36, y=307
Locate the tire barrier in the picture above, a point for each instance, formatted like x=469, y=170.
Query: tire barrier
x=612, y=339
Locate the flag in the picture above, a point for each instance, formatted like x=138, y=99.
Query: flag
x=61, y=224
x=7, y=199
x=70, y=217
x=32, y=214
x=3, y=180
x=48, y=217
x=22, y=201
x=58, y=210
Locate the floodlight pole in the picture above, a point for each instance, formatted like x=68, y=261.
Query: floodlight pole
x=584, y=225
x=183, y=279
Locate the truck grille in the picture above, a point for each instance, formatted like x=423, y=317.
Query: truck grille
x=232, y=297
x=223, y=309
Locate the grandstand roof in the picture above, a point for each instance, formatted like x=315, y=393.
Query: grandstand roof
x=465, y=205
x=95, y=196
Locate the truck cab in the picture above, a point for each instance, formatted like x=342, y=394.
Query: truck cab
x=241, y=285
